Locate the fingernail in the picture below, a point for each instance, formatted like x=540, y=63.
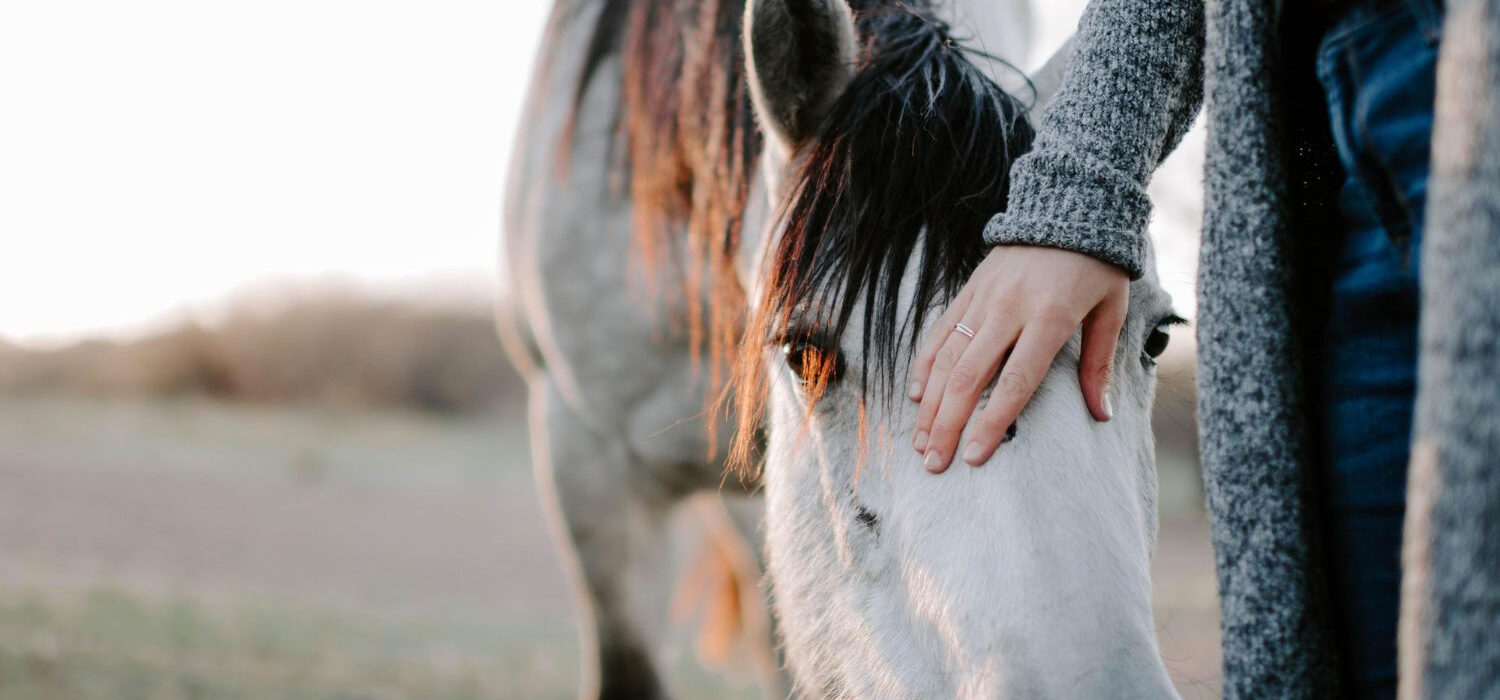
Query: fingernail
x=934, y=461
x=921, y=441
x=1109, y=407
x=974, y=454
x=914, y=391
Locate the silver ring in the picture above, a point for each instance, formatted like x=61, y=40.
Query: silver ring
x=965, y=330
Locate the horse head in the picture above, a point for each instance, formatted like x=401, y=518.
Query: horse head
x=887, y=150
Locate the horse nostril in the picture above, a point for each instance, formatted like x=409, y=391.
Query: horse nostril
x=1010, y=434
x=866, y=518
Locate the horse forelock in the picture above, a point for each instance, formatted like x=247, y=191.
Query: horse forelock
x=913, y=160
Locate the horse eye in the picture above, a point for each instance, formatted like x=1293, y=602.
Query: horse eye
x=812, y=364
x=1156, y=344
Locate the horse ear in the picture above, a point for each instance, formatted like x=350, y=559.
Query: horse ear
x=801, y=57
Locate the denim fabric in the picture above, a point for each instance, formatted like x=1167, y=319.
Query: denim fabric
x=1377, y=66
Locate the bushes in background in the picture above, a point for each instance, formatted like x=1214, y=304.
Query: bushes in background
x=342, y=349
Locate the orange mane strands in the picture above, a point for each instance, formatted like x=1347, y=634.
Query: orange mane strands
x=691, y=147
x=686, y=148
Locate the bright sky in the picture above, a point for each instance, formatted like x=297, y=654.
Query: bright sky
x=160, y=154
x=157, y=156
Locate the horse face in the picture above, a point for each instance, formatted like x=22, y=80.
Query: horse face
x=1027, y=576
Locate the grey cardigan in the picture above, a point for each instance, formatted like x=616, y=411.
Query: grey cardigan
x=1140, y=71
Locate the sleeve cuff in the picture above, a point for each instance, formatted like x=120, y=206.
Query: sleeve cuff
x=1063, y=201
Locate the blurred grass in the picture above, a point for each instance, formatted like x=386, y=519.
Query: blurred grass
x=109, y=645
x=180, y=548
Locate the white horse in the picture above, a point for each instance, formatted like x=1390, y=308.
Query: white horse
x=614, y=348
x=1026, y=577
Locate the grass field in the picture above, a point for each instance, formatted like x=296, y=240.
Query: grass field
x=192, y=549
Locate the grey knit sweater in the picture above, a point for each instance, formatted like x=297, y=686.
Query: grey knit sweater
x=1140, y=70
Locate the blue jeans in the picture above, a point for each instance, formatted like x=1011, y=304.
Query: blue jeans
x=1377, y=68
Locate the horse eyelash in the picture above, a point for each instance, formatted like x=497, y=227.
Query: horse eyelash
x=811, y=335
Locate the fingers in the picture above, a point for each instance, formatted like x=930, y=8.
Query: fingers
x=952, y=347
x=922, y=366
x=966, y=381
x=1101, y=335
x=1062, y=290
x=1019, y=379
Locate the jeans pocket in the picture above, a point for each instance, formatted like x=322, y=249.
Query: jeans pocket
x=1379, y=72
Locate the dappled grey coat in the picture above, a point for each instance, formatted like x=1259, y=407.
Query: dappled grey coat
x=1140, y=71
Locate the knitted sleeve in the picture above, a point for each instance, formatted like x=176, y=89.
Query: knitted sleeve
x=1132, y=89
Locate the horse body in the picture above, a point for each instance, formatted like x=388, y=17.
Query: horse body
x=1028, y=576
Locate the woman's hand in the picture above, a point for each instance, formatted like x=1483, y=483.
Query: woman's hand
x=1028, y=301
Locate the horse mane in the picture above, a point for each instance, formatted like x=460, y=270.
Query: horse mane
x=686, y=146
x=913, y=160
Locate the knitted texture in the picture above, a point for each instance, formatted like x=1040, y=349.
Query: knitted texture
x=1451, y=591
x=1128, y=96
x=1251, y=408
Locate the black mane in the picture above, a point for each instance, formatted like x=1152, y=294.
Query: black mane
x=921, y=143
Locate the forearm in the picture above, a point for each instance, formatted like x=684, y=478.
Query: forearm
x=1131, y=91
